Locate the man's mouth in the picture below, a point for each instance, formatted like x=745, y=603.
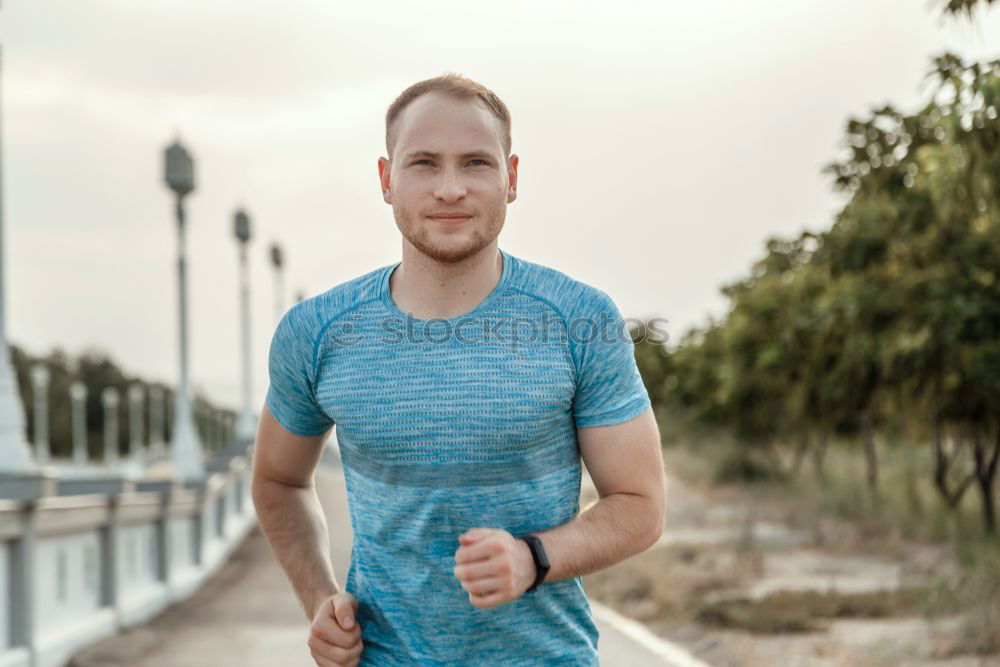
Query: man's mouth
x=450, y=217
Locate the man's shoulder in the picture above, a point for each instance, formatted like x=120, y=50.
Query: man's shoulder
x=313, y=313
x=568, y=295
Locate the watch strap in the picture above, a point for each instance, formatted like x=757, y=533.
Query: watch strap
x=539, y=556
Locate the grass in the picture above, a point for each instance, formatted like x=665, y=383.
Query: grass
x=907, y=510
x=805, y=611
x=907, y=507
x=973, y=591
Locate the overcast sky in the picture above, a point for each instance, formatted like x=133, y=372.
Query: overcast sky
x=661, y=144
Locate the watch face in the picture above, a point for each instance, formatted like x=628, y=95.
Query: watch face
x=538, y=549
x=542, y=556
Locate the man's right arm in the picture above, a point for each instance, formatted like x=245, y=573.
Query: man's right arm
x=289, y=511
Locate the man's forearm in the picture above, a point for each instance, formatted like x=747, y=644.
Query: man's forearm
x=292, y=519
x=618, y=526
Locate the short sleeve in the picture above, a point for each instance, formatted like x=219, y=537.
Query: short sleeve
x=290, y=395
x=609, y=388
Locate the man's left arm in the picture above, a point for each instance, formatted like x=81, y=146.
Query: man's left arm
x=626, y=464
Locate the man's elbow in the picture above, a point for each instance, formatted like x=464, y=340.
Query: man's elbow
x=267, y=492
x=657, y=514
x=653, y=535
x=259, y=488
x=266, y=484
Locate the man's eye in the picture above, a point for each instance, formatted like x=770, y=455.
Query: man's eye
x=480, y=162
x=421, y=162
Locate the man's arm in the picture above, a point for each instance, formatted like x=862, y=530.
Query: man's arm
x=626, y=464
x=289, y=511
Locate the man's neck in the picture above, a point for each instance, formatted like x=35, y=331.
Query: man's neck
x=426, y=288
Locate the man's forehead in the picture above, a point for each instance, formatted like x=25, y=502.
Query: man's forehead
x=434, y=122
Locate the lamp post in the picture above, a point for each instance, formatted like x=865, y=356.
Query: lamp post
x=185, y=446
x=247, y=424
x=15, y=453
x=278, y=261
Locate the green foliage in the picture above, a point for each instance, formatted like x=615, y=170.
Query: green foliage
x=887, y=321
x=963, y=7
x=655, y=362
x=96, y=371
x=742, y=468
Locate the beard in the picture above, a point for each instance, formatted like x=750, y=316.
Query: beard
x=449, y=248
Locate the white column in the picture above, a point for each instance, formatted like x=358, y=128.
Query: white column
x=135, y=409
x=78, y=407
x=40, y=393
x=157, y=421
x=15, y=453
x=110, y=400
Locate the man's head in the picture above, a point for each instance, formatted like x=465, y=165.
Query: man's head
x=449, y=174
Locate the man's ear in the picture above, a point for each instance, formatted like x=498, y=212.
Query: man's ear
x=384, y=167
x=512, y=178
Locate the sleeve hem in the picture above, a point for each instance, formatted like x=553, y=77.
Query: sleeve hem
x=285, y=424
x=630, y=410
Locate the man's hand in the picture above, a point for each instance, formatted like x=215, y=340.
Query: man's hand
x=335, y=636
x=493, y=566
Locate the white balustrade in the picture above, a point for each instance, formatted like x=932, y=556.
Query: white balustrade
x=77, y=568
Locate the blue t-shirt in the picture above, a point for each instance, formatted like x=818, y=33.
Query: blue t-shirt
x=449, y=424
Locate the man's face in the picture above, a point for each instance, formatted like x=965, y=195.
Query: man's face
x=449, y=181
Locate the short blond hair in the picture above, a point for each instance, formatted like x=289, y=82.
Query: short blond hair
x=455, y=85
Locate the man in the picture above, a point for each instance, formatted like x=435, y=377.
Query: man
x=466, y=384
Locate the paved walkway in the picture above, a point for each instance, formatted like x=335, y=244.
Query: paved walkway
x=247, y=615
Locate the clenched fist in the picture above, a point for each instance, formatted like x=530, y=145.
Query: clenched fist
x=493, y=566
x=335, y=636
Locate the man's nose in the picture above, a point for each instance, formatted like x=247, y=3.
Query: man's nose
x=450, y=187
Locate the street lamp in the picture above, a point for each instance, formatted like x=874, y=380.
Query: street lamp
x=15, y=453
x=278, y=261
x=186, y=446
x=246, y=426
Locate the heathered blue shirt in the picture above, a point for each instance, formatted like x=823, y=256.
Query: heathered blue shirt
x=449, y=424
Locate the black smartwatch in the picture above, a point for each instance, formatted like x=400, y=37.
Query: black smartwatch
x=539, y=556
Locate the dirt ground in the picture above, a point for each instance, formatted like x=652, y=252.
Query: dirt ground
x=744, y=581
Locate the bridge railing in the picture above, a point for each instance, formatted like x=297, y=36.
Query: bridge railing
x=82, y=558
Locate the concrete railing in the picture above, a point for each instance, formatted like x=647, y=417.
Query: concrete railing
x=82, y=558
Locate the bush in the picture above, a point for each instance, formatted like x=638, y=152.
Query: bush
x=741, y=468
